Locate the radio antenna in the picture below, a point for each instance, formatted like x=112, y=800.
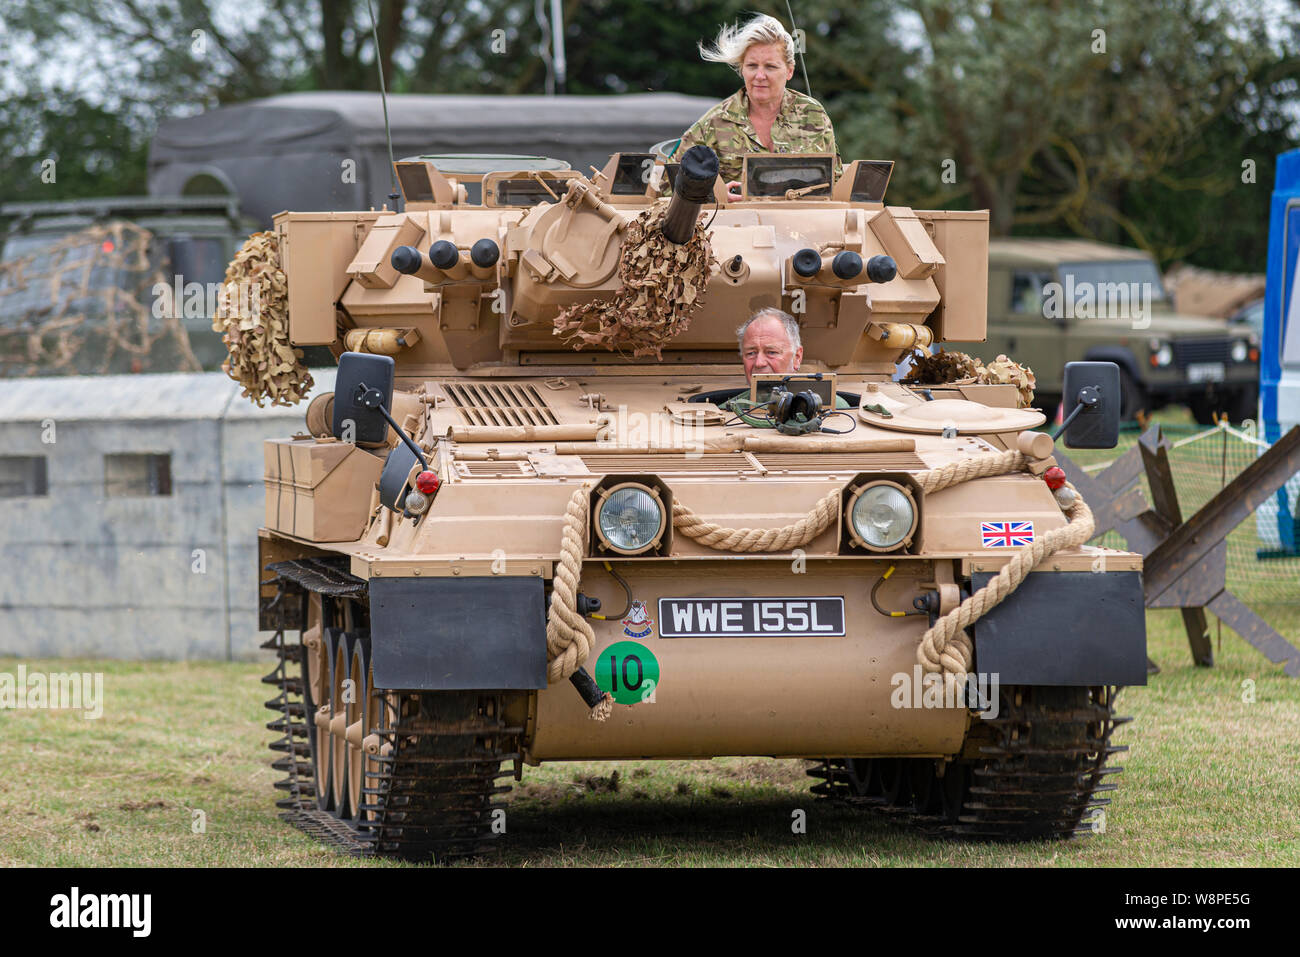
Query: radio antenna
x=799, y=49
x=394, y=196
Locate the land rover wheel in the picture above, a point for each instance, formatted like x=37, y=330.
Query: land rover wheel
x=1133, y=396
x=1242, y=404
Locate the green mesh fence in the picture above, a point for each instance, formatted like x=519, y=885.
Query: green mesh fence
x=1260, y=569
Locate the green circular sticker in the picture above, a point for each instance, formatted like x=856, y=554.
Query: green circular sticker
x=629, y=671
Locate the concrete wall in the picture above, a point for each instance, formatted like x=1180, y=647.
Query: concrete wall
x=153, y=577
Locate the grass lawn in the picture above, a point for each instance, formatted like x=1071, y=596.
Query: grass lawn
x=1210, y=779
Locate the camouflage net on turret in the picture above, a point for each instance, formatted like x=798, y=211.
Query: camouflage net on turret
x=663, y=286
x=957, y=368
x=85, y=304
x=255, y=328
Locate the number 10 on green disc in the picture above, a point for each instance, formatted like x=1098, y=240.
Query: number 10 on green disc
x=629, y=671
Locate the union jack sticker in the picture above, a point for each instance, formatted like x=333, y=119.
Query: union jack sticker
x=1006, y=534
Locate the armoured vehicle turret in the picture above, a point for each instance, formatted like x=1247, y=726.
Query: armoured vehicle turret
x=545, y=517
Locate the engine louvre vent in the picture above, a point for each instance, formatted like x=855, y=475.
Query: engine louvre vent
x=499, y=403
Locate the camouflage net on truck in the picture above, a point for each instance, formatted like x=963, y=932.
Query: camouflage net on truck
x=663, y=287
x=86, y=304
x=957, y=368
x=255, y=328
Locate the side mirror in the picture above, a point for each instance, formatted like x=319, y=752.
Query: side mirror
x=1092, y=404
x=370, y=425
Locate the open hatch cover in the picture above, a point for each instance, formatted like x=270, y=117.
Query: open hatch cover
x=969, y=418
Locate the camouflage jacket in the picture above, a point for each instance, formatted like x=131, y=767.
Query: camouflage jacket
x=802, y=126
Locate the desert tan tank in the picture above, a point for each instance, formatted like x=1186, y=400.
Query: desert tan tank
x=544, y=516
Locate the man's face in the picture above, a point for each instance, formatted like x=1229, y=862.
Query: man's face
x=766, y=348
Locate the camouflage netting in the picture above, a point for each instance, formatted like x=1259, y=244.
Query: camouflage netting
x=85, y=305
x=255, y=329
x=663, y=286
x=1208, y=292
x=957, y=368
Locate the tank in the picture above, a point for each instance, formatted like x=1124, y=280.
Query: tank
x=544, y=516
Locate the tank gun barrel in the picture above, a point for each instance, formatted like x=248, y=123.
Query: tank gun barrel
x=693, y=188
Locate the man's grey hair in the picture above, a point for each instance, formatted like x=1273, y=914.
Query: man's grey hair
x=790, y=323
x=734, y=40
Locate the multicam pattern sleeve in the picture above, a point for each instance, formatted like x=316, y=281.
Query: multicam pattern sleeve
x=802, y=126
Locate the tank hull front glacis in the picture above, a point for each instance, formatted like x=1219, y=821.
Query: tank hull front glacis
x=510, y=599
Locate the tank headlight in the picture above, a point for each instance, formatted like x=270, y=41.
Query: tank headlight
x=882, y=516
x=630, y=518
x=1240, y=350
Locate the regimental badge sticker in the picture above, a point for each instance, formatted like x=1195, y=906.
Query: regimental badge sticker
x=1006, y=534
x=638, y=623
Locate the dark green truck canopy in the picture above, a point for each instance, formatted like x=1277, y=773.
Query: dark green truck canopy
x=326, y=150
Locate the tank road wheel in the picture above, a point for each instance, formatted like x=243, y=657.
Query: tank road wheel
x=355, y=706
x=954, y=789
x=895, y=783
x=925, y=786
x=863, y=775
x=340, y=692
x=322, y=712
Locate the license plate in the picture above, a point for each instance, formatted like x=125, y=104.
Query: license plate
x=1205, y=372
x=751, y=617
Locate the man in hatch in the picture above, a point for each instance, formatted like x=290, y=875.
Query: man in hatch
x=769, y=344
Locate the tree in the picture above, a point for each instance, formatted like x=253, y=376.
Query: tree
x=1126, y=123
x=1123, y=122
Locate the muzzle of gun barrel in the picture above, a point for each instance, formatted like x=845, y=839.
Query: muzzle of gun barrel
x=694, y=188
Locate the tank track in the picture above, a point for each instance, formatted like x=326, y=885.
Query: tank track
x=1040, y=767
x=439, y=763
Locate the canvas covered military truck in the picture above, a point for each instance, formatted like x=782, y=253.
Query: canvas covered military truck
x=326, y=150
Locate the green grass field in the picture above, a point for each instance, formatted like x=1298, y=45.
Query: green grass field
x=1210, y=780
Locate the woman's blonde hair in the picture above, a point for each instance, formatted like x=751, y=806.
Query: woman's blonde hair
x=733, y=40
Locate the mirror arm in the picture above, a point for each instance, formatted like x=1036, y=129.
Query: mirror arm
x=1079, y=407
x=373, y=399
x=1088, y=397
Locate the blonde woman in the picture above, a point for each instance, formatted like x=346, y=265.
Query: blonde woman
x=763, y=116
